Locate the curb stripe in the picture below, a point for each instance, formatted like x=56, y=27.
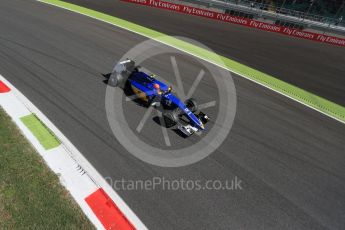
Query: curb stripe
x=4, y=88
x=75, y=172
x=107, y=212
x=308, y=99
x=46, y=138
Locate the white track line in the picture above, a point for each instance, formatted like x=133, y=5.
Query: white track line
x=216, y=64
x=74, y=153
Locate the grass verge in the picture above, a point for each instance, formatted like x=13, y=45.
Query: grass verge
x=31, y=196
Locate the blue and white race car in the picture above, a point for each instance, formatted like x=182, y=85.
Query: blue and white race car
x=153, y=92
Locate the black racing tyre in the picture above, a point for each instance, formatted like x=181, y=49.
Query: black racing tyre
x=115, y=80
x=171, y=118
x=192, y=105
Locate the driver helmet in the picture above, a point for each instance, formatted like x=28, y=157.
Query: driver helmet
x=156, y=86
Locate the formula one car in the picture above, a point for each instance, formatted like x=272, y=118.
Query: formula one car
x=153, y=92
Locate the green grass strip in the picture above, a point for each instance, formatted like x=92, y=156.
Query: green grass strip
x=31, y=196
x=40, y=131
x=322, y=105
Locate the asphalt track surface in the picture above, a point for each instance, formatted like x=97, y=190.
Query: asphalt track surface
x=316, y=67
x=290, y=158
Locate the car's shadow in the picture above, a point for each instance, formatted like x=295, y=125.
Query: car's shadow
x=106, y=76
x=158, y=120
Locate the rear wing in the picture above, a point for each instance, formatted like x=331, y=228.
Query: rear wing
x=121, y=71
x=124, y=67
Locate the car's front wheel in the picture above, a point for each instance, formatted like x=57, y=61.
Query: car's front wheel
x=192, y=105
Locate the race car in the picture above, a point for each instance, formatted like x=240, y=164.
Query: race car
x=153, y=92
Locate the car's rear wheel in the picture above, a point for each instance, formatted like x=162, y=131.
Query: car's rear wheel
x=192, y=105
x=115, y=80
